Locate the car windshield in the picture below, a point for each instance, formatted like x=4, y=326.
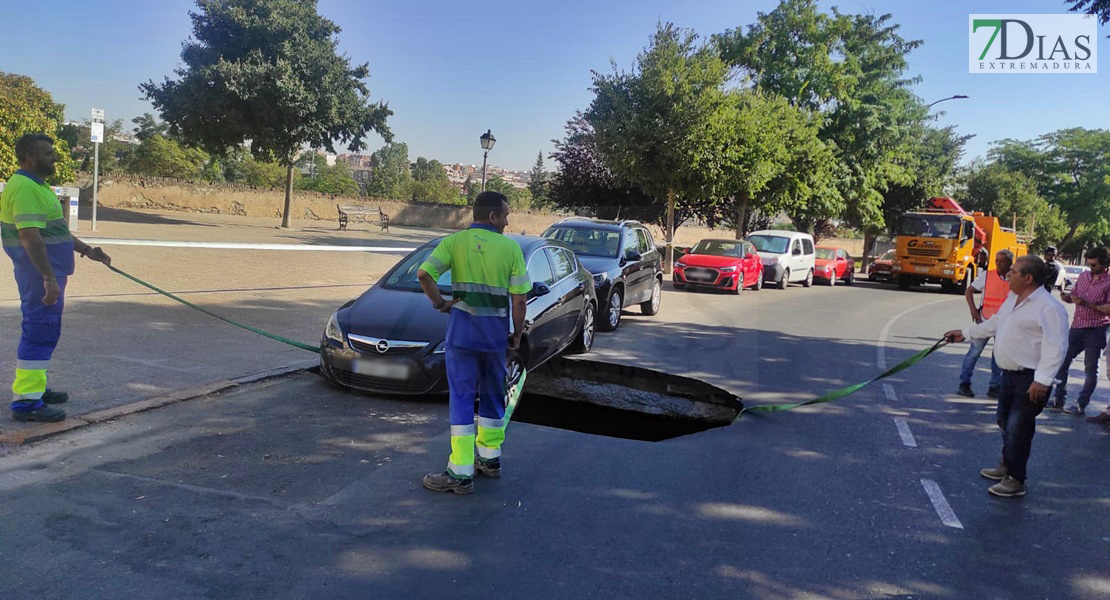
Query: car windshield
x=936, y=226
x=826, y=253
x=888, y=255
x=587, y=242
x=771, y=244
x=717, y=248
x=404, y=276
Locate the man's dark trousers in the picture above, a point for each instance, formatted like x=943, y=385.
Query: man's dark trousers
x=1090, y=341
x=1017, y=416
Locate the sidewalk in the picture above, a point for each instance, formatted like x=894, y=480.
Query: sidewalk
x=123, y=343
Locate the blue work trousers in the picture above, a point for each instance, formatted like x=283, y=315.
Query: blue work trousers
x=974, y=350
x=1090, y=341
x=41, y=329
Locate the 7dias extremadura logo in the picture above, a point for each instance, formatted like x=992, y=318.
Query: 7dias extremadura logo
x=1032, y=44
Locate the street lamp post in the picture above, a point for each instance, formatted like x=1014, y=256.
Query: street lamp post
x=487, y=144
x=956, y=97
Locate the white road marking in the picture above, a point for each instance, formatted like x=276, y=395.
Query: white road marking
x=240, y=246
x=881, y=360
x=889, y=391
x=940, y=504
x=905, y=433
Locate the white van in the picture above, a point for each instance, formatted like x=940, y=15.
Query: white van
x=787, y=256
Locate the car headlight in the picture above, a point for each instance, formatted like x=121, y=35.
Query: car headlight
x=332, y=331
x=770, y=260
x=680, y=264
x=727, y=269
x=600, y=278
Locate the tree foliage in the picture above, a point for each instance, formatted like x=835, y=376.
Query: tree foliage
x=431, y=184
x=27, y=108
x=1099, y=8
x=537, y=182
x=331, y=179
x=114, y=154
x=267, y=71
x=1071, y=169
x=995, y=190
x=159, y=156
x=391, y=176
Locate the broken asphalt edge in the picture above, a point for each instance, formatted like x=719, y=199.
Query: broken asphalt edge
x=45, y=430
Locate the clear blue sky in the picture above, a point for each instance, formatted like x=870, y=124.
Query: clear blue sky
x=451, y=70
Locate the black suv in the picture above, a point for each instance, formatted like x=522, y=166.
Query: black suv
x=626, y=266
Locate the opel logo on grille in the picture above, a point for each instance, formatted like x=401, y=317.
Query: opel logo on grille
x=382, y=346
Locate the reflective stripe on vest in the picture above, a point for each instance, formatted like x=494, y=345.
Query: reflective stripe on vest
x=995, y=294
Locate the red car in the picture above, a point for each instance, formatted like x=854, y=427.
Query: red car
x=832, y=264
x=730, y=265
x=880, y=269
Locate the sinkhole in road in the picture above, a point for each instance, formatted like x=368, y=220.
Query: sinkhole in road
x=622, y=401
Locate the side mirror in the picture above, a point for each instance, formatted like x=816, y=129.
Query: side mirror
x=539, y=288
x=632, y=255
x=797, y=252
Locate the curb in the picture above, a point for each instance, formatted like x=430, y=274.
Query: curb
x=40, y=432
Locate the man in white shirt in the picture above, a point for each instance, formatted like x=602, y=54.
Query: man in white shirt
x=1031, y=337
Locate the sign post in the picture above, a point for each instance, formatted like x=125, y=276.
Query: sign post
x=96, y=130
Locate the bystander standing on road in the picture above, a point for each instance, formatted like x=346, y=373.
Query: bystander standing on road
x=1055, y=271
x=1031, y=335
x=488, y=277
x=995, y=287
x=1088, y=329
x=37, y=239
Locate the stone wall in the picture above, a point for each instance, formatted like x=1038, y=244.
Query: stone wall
x=154, y=193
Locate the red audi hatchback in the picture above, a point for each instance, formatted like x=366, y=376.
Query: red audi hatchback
x=730, y=265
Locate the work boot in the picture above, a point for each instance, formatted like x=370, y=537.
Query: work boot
x=446, y=482
x=53, y=397
x=1008, y=488
x=489, y=468
x=997, y=473
x=42, y=414
x=992, y=392
x=965, y=390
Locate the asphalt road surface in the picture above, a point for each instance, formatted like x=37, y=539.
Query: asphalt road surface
x=290, y=489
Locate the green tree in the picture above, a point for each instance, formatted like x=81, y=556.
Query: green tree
x=995, y=190
x=147, y=126
x=1071, y=168
x=391, y=175
x=267, y=71
x=537, y=182
x=519, y=198
x=330, y=179
x=157, y=156
x=650, y=123
x=431, y=184
x=849, y=68
x=261, y=173
x=471, y=189
x=26, y=108
x=1099, y=8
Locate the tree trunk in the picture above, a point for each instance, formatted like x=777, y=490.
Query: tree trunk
x=288, y=196
x=868, y=241
x=1069, y=236
x=741, y=215
x=668, y=264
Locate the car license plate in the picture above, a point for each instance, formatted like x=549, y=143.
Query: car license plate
x=381, y=368
x=922, y=269
x=699, y=276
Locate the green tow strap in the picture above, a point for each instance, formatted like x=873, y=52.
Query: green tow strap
x=842, y=392
x=313, y=349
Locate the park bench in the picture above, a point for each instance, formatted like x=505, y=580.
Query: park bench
x=365, y=213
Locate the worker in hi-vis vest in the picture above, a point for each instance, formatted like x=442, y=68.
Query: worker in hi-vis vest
x=488, y=277
x=995, y=286
x=35, y=236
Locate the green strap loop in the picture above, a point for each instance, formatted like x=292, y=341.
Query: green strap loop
x=842, y=392
x=313, y=349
